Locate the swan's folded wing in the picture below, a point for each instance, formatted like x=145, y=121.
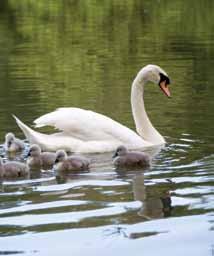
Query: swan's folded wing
x=87, y=125
x=63, y=119
x=80, y=123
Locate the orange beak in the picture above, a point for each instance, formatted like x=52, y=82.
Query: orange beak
x=165, y=88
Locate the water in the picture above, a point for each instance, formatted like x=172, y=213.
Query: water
x=86, y=54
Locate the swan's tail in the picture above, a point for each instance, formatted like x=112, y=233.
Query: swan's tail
x=29, y=133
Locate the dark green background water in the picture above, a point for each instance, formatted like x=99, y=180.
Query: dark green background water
x=86, y=54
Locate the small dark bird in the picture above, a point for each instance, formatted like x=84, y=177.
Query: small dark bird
x=125, y=158
x=13, y=169
x=37, y=159
x=70, y=163
x=13, y=144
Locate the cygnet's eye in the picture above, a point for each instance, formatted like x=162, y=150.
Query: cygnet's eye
x=11, y=140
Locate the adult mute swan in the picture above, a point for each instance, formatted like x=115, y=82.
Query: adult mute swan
x=86, y=131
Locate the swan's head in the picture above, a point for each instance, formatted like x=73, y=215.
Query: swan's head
x=156, y=75
x=60, y=156
x=9, y=138
x=34, y=150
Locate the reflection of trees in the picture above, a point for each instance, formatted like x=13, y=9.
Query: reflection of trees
x=83, y=52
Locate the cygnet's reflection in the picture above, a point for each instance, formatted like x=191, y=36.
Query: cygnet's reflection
x=155, y=203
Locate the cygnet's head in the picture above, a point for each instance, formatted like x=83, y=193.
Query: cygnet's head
x=120, y=151
x=60, y=156
x=9, y=138
x=34, y=150
x=156, y=75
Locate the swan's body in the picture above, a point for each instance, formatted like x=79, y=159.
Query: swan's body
x=87, y=131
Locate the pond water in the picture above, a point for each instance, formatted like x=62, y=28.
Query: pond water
x=86, y=54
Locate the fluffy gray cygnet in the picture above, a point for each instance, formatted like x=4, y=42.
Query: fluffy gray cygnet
x=70, y=163
x=37, y=159
x=125, y=158
x=13, y=144
x=13, y=169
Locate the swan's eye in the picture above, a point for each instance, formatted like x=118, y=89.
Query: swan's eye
x=164, y=78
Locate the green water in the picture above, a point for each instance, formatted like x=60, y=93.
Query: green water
x=86, y=54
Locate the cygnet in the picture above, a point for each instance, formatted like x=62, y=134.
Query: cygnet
x=125, y=158
x=13, y=144
x=70, y=163
x=13, y=169
x=37, y=159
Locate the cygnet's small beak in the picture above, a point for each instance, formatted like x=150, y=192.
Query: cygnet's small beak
x=165, y=88
x=9, y=144
x=115, y=155
x=56, y=161
x=28, y=154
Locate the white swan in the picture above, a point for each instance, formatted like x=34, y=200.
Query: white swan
x=90, y=132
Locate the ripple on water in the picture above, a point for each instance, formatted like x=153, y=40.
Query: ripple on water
x=28, y=206
x=168, y=235
x=27, y=220
x=67, y=186
x=132, y=200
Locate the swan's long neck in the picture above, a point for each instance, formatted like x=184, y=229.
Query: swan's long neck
x=144, y=126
